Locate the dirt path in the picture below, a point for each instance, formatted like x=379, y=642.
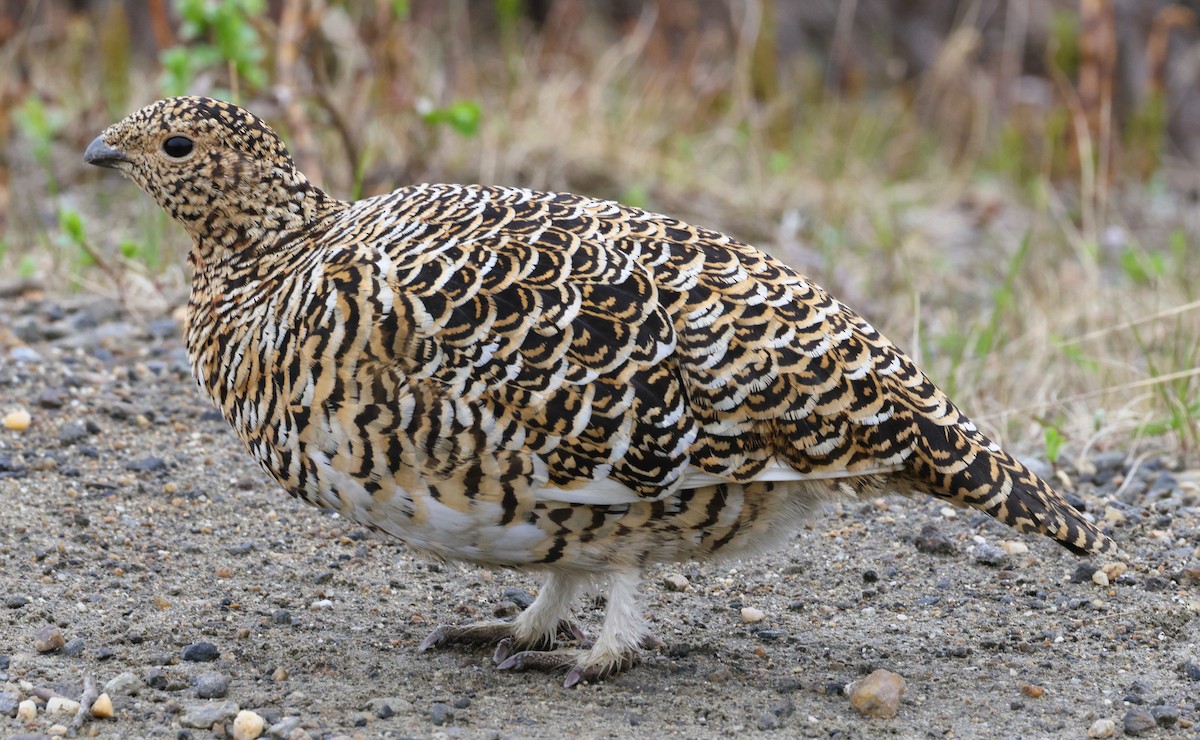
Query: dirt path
x=133, y=524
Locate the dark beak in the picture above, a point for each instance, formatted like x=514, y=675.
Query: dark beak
x=102, y=155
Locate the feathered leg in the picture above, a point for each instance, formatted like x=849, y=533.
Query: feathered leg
x=615, y=650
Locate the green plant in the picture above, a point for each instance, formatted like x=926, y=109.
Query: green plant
x=41, y=127
x=463, y=117
x=219, y=33
x=1055, y=440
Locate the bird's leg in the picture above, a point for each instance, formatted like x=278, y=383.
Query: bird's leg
x=536, y=628
x=615, y=650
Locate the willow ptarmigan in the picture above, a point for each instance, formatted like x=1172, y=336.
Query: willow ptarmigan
x=526, y=379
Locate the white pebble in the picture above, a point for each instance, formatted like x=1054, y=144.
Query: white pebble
x=1100, y=578
x=61, y=705
x=322, y=604
x=750, y=615
x=26, y=710
x=1102, y=728
x=247, y=725
x=1014, y=548
x=1114, y=570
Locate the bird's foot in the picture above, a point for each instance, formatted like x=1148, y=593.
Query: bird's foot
x=583, y=665
x=504, y=635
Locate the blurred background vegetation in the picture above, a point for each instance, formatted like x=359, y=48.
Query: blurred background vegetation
x=1007, y=188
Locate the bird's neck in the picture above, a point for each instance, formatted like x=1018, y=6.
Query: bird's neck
x=251, y=224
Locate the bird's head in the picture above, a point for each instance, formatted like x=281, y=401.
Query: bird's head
x=216, y=168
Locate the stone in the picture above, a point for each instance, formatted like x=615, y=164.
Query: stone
x=123, y=684
x=204, y=716
x=247, y=725
x=440, y=714
x=27, y=710
x=102, y=708
x=878, y=695
x=61, y=705
x=751, y=615
x=675, y=582
x=18, y=420
x=201, y=652
x=1138, y=722
x=212, y=685
x=932, y=541
x=48, y=639
x=1164, y=715
x=990, y=555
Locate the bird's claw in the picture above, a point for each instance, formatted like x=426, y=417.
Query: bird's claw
x=472, y=634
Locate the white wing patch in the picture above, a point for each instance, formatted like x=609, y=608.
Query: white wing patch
x=608, y=492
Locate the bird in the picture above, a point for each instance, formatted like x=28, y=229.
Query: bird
x=542, y=381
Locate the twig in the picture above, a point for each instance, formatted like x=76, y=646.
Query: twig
x=90, y=694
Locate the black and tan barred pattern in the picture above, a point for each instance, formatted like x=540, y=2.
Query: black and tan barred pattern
x=508, y=376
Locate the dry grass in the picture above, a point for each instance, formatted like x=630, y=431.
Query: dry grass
x=1040, y=301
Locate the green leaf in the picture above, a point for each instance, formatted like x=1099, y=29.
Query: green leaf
x=72, y=225
x=464, y=117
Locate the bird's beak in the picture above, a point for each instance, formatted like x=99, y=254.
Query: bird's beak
x=102, y=155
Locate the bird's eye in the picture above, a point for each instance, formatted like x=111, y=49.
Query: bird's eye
x=177, y=146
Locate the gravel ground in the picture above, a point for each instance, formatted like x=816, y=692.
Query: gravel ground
x=142, y=551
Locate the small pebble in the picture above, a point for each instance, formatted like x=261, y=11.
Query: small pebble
x=280, y=674
x=74, y=648
x=61, y=705
x=990, y=555
x=877, y=695
x=1014, y=548
x=17, y=421
x=751, y=615
x=1083, y=573
x=212, y=686
x=123, y=684
x=1114, y=570
x=1192, y=671
x=48, y=639
x=1100, y=578
x=15, y=601
x=201, y=652
x=8, y=703
x=26, y=710
x=440, y=714
x=1138, y=722
x=932, y=541
x=102, y=708
x=1032, y=691
x=518, y=596
x=284, y=727
x=204, y=716
x=1102, y=728
x=1165, y=716
x=24, y=355
x=247, y=725
x=675, y=582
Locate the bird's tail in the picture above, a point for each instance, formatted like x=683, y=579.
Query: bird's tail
x=977, y=473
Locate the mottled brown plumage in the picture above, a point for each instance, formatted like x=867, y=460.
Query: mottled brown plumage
x=517, y=378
